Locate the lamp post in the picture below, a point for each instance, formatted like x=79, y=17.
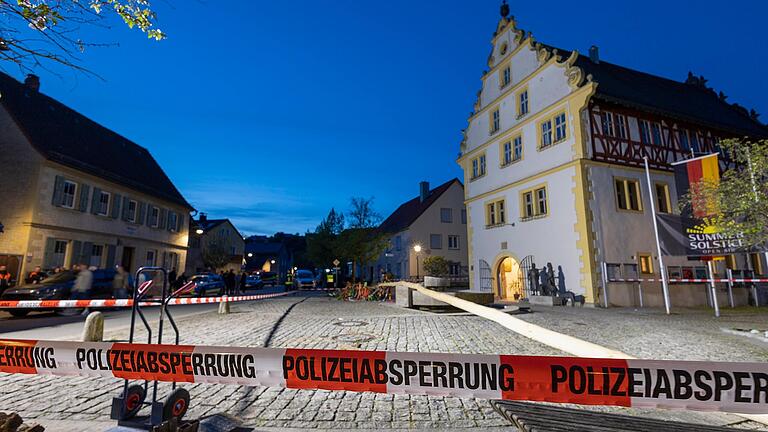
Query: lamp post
x=417, y=249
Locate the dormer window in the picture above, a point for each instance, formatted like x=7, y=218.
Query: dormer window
x=495, y=123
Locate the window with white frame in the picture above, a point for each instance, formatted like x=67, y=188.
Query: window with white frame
x=103, y=203
x=606, y=119
x=453, y=242
x=172, y=221
x=132, y=209
x=561, y=128
x=645, y=132
x=151, y=258
x=454, y=269
x=522, y=103
x=495, y=123
x=495, y=213
x=517, y=148
x=68, y=194
x=154, y=217
x=506, y=153
x=59, y=252
x=546, y=133
x=620, y=126
x=478, y=166
x=656, y=133
x=534, y=203
x=97, y=254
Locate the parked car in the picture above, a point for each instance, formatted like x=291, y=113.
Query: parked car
x=269, y=278
x=304, y=279
x=207, y=284
x=253, y=282
x=59, y=287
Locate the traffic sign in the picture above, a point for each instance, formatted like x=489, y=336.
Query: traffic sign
x=336, y=262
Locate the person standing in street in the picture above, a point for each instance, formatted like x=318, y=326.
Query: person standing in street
x=229, y=282
x=243, y=279
x=5, y=278
x=36, y=276
x=172, y=279
x=120, y=283
x=83, y=283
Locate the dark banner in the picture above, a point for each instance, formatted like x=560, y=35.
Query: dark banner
x=682, y=236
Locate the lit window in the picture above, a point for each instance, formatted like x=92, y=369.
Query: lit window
x=446, y=215
x=646, y=263
x=546, y=134
x=68, y=194
x=522, y=103
x=628, y=194
x=517, y=148
x=453, y=242
x=103, y=204
x=560, y=127
x=495, y=121
x=663, y=203
x=620, y=126
x=495, y=213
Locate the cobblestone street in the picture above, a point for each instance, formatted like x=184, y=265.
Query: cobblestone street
x=321, y=322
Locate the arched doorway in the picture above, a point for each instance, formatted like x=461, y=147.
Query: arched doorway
x=509, y=277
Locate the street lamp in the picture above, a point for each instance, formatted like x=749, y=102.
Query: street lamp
x=250, y=254
x=199, y=231
x=417, y=249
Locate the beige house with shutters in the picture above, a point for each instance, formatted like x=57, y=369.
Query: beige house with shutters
x=76, y=192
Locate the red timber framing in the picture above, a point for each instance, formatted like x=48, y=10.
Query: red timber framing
x=619, y=138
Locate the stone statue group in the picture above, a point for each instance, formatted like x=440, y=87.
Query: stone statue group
x=544, y=282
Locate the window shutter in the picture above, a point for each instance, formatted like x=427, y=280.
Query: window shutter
x=95, y=200
x=115, y=210
x=162, y=220
x=58, y=191
x=179, y=222
x=48, y=254
x=142, y=213
x=110, y=256
x=84, y=191
x=148, y=220
x=77, y=247
x=85, y=253
x=125, y=208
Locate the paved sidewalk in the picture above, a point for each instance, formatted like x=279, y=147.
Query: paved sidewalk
x=320, y=322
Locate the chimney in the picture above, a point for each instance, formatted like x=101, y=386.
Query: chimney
x=594, y=54
x=32, y=82
x=203, y=217
x=423, y=191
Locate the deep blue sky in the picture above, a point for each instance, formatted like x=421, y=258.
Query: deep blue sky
x=272, y=112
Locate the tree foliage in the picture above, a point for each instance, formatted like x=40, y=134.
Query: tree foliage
x=361, y=213
x=321, y=245
x=739, y=200
x=215, y=256
x=34, y=31
x=435, y=265
x=361, y=246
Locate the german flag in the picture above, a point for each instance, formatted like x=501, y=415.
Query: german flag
x=692, y=171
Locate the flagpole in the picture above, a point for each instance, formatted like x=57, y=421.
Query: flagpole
x=662, y=269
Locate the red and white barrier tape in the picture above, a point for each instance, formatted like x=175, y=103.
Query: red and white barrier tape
x=703, y=386
x=695, y=280
x=116, y=303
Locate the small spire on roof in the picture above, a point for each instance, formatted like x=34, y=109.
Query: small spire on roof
x=504, y=9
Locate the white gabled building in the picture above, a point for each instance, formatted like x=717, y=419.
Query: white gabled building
x=552, y=161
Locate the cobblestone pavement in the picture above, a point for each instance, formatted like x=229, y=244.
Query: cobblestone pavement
x=314, y=322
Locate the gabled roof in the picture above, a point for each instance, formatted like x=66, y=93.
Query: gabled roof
x=694, y=103
x=63, y=135
x=409, y=211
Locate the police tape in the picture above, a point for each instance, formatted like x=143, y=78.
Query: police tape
x=119, y=303
x=701, y=386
